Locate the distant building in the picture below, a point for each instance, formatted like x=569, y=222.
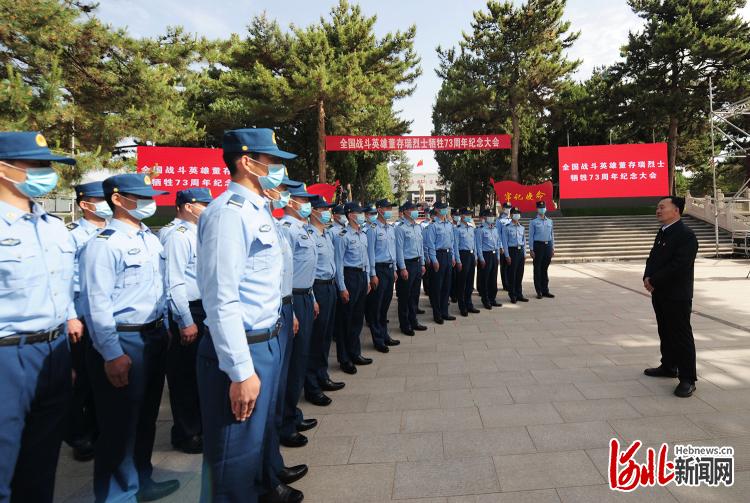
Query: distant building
x=426, y=188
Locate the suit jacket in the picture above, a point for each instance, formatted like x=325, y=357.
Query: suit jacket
x=671, y=263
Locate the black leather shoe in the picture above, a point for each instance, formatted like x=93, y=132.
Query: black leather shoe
x=392, y=342
x=494, y=303
x=513, y=301
x=419, y=328
x=307, y=424
x=439, y=321
x=408, y=332
x=474, y=310
x=548, y=295
x=193, y=445
x=152, y=491
x=684, y=389
x=487, y=305
x=660, y=371
x=465, y=313
x=329, y=385
x=539, y=296
x=296, y=440
x=291, y=474
x=449, y=318
x=320, y=400
x=382, y=349
x=361, y=360
x=282, y=494
x=420, y=311
x=84, y=451
x=522, y=299
x=348, y=368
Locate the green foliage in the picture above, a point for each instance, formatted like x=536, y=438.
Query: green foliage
x=400, y=169
x=379, y=186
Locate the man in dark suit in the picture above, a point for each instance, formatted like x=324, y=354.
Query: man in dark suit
x=669, y=279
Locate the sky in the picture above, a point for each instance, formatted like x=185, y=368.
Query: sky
x=604, y=26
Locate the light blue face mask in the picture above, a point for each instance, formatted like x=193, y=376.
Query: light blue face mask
x=444, y=211
x=325, y=217
x=305, y=210
x=456, y=218
x=516, y=216
x=343, y=220
x=274, y=177
x=414, y=214
x=387, y=214
x=39, y=181
x=144, y=208
x=360, y=219
x=542, y=211
x=490, y=220
x=468, y=219
x=372, y=218
x=283, y=200
x=102, y=210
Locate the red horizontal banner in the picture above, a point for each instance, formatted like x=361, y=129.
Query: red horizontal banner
x=601, y=171
x=524, y=197
x=178, y=168
x=472, y=142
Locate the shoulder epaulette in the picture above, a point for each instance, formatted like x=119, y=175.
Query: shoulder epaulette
x=343, y=232
x=181, y=228
x=71, y=226
x=105, y=234
x=309, y=231
x=236, y=200
x=170, y=224
x=287, y=224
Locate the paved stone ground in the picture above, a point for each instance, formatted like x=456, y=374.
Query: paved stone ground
x=518, y=404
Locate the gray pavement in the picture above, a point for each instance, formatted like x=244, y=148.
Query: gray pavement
x=518, y=404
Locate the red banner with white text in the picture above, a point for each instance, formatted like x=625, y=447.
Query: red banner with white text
x=524, y=197
x=461, y=142
x=604, y=171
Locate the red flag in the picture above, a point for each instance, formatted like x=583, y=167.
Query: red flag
x=420, y=163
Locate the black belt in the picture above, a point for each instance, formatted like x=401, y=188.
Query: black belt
x=324, y=281
x=382, y=264
x=466, y=251
x=357, y=269
x=143, y=327
x=415, y=259
x=256, y=336
x=32, y=337
x=444, y=250
x=543, y=242
x=196, y=303
x=301, y=291
x=286, y=300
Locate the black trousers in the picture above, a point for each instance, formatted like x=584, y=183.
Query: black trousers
x=426, y=277
x=440, y=284
x=378, y=302
x=487, y=281
x=503, y=268
x=407, y=293
x=465, y=281
x=82, y=418
x=352, y=315
x=322, y=334
x=182, y=379
x=515, y=272
x=676, y=336
x=542, y=259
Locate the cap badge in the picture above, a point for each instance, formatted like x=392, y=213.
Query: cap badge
x=41, y=141
x=147, y=180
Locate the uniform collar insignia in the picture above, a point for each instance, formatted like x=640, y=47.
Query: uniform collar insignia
x=134, y=251
x=10, y=242
x=265, y=228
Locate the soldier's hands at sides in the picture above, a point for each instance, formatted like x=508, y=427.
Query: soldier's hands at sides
x=436, y=266
x=647, y=285
x=459, y=266
x=395, y=276
x=404, y=274
x=117, y=370
x=75, y=330
x=481, y=264
x=345, y=296
x=424, y=270
x=295, y=326
x=188, y=334
x=374, y=282
x=242, y=396
x=532, y=255
x=507, y=260
x=553, y=253
x=316, y=310
x=454, y=262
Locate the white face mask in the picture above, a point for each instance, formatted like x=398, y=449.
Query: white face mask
x=144, y=208
x=343, y=220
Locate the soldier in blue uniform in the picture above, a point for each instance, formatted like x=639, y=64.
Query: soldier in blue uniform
x=352, y=273
x=441, y=249
x=487, y=246
x=165, y=231
x=186, y=320
x=542, y=245
x=465, y=262
x=36, y=302
x=339, y=220
x=82, y=427
x=294, y=228
x=429, y=214
x=410, y=263
x=381, y=242
x=239, y=276
x=502, y=222
x=317, y=380
x=514, y=245
x=124, y=304
x=455, y=220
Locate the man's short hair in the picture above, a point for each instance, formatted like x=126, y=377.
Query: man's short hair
x=230, y=159
x=677, y=201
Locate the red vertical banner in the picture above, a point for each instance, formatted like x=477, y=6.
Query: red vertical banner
x=524, y=197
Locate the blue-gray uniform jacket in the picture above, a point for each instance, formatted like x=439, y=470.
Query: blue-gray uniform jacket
x=425, y=254
x=540, y=229
x=180, y=271
x=121, y=282
x=503, y=221
x=464, y=239
x=81, y=231
x=36, y=271
x=351, y=251
x=486, y=240
x=165, y=231
x=287, y=273
x=409, y=243
x=513, y=237
x=439, y=236
x=304, y=251
x=381, y=243
x=326, y=265
x=239, y=274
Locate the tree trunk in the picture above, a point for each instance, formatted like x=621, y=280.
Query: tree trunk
x=672, y=151
x=515, y=143
x=321, y=142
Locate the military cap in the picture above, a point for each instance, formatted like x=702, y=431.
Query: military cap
x=370, y=208
x=353, y=207
x=487, y=213
x=408, y=205
x=299, y=189
x=507, y=205
x=440, y=206
x=515, y=209
x=28, y=146
x=194, y=196
x=137, y=184
x=91, y=189
x=383, y=203
x=339, y=210
x=466, y=211
x=541, y=204
x=252, y=140
x=319, y=202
